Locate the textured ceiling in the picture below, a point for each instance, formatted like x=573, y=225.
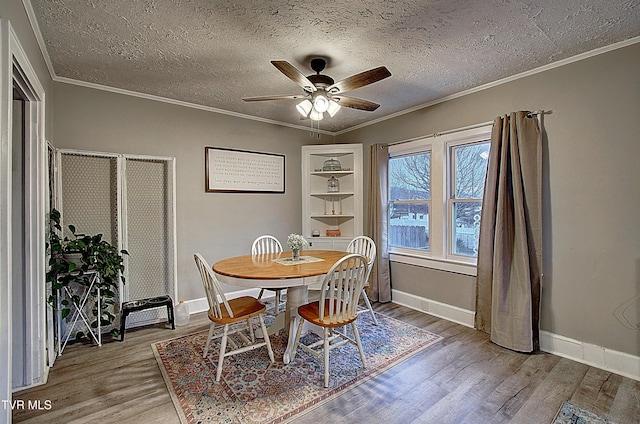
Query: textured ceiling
x=213, y=53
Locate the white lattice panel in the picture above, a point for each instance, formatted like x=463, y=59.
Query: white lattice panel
x=149, y=223
x=89, y=200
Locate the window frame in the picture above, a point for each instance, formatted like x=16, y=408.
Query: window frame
x=451, y=192
x=415, y=147
x=441, y=222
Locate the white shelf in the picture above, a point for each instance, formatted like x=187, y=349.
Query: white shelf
x=333, y=194
x=330, y=173
x=318, y=203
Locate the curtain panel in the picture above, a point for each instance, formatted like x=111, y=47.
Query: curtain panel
x=380, y=283
x=509, y=266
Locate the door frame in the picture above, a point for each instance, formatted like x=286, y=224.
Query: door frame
x=14, y=59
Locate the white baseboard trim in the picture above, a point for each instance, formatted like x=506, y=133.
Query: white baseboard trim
x=601, y=357
x=586, y=353
x=435, y=308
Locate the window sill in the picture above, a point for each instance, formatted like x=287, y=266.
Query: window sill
x=458, y=267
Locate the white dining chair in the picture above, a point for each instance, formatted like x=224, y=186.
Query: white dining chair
x=235, y=315
x=367, y=248
x=263, y=245
x=337, y=307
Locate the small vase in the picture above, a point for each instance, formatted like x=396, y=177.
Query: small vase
x=295, y=254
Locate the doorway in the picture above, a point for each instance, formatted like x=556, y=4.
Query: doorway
x=22, y=237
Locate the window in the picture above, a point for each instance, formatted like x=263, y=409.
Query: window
x=436, y=186
x=410, y=200
x=468, y=164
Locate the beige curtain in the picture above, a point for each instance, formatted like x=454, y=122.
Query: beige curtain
x=510, y=245
x=380, y=284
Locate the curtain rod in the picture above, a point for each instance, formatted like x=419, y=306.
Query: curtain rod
x=469, y=127
x=536, y=113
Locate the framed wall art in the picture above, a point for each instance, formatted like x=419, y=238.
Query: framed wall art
x=231, y=170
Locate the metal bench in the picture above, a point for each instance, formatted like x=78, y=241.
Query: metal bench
x=144, y=304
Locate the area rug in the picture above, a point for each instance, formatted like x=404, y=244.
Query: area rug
x=571, y=414
x=253, y=390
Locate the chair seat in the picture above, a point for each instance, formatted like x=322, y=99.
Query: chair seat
x=243, y=307
x=311, y=313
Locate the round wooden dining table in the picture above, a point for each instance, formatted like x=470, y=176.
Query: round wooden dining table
x=278, y=270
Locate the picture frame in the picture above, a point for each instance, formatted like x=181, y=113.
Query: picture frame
x=243, y=171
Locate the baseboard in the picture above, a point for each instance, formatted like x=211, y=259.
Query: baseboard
x=435, y=308
x=601, y=357
x=597, y=356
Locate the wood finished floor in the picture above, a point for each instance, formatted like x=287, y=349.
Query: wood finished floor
x=462, y=379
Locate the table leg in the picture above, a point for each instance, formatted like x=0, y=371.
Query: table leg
x=296, y=296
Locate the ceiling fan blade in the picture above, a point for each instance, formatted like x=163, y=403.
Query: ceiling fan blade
x=354, y=103
x=263, y=98
x=294, y=75
x=360, y=80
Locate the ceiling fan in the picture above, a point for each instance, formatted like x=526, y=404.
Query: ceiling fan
x=322, y=93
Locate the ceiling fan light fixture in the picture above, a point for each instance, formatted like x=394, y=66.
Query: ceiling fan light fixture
x=333, y=108
x=320, y=103
x=304, y=107
x=315, y=115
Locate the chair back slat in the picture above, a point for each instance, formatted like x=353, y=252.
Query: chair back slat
x=212, y=288
x=342, y=287
x=266, y=244
x=366, y=247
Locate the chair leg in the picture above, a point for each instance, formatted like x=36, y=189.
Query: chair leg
x=260, y=294
x=326, y=357
x=223, y=348
x=366, y=301
x=266, y=338
x=251, y=330
x=297, y=339
x=206, y=346
x=357, y=337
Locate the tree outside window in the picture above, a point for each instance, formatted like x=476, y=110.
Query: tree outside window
x=409, y=200
x=468, y=163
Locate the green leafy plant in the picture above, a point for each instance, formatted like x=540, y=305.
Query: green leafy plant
x=95, y=254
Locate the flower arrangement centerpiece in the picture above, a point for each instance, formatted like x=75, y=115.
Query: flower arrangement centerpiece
x=296, y=242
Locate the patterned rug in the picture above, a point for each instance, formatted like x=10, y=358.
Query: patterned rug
x=571, y=414
x=252, y=390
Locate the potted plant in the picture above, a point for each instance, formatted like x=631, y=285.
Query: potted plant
x=71, y=258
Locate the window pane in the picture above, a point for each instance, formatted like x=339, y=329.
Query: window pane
x=466, y=230
x=410, y=177
x=470, y=170
x=409, y=225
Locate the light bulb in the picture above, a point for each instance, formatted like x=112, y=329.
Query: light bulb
x=333, y=108
x=315, y=115
x=304, y=107
x=321, y=103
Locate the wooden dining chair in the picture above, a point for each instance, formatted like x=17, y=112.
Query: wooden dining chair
x=235, y=315
x=263, y=245
x=337, y=307
x=367, y=248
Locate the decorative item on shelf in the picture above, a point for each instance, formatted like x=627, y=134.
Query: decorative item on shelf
x=296, y=242
x=333, y=185
x=315, y=233
x=182, y=313
x=333, y=233
x=332, y=164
